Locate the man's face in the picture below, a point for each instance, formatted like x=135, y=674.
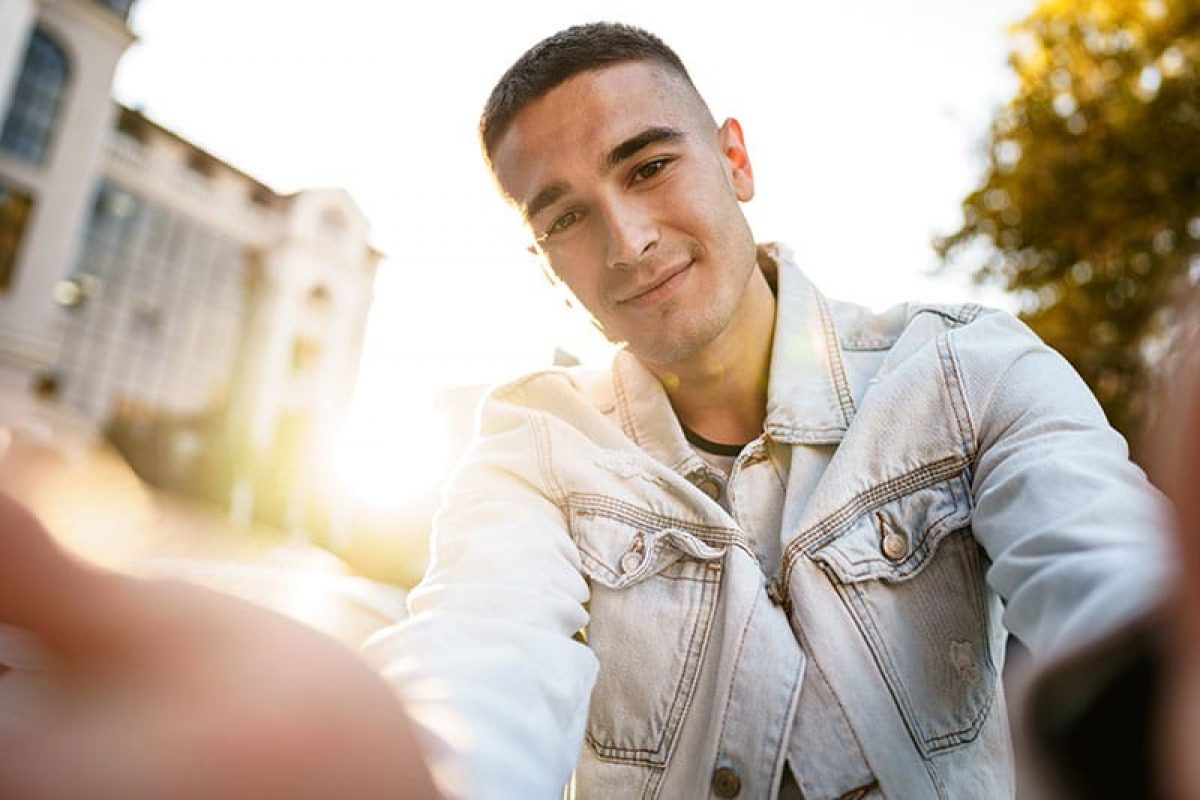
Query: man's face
x=632, y=193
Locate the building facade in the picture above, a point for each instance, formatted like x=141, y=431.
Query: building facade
x=209, y=323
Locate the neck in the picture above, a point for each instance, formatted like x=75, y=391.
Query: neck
x=720, y=392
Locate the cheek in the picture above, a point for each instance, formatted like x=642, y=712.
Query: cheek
x=707, y=205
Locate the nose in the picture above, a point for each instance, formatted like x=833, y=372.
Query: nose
x=632, y=234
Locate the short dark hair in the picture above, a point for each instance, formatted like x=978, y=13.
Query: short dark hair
x=563, y=55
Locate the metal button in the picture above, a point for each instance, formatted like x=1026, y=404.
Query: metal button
x=711, y=488
x=632, y=558
x=726, y=782
x=895, y=546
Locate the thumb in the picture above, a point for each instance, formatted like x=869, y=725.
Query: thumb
x=47, y=591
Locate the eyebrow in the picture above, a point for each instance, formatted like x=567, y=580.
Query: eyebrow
x=549, y=195
x=637, y=142
x=553, y=192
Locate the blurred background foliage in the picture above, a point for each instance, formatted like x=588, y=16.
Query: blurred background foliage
x=1090, y=206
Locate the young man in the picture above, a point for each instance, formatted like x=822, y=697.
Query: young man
x=773, y=552
x=778, y=547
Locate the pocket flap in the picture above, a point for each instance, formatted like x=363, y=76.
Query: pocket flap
x=893, y=542
x=617, y=553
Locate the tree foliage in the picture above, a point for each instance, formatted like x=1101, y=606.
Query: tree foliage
x=1090, y=206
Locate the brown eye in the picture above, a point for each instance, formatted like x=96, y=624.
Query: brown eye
x=649, y=169
x=562, y=223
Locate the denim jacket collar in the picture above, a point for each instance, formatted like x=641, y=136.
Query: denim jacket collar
x=647, y=417
x=808, y=396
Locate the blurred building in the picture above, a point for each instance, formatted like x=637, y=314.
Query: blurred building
x=211, y=325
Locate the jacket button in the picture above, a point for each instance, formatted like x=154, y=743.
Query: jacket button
x=895, y=546
x=630, y=561
x=726, y=782
x=711, y=488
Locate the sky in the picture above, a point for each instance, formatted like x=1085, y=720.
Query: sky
x=866, y=121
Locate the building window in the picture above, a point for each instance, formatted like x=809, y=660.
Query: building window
x=37, y=98
x=14, y=213
x=165, y=310
x=109, y=238
x=120, y=7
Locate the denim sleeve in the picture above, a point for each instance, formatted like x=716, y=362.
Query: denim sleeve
x=1074, y=531
x=486, y=664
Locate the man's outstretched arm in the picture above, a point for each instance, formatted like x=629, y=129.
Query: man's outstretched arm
x=1074, y=531
x=487, y=663
x=164, y=690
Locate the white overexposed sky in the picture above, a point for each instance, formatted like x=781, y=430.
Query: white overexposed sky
x=866, y=121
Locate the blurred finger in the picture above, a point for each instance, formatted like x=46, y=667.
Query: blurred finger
x=1179, y=475
x=45, y=590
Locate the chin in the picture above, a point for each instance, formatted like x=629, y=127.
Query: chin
x=676, y=346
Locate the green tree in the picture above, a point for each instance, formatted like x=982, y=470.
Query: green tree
x=1090, y=206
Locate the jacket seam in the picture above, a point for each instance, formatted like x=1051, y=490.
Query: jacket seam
x=777, y=428
x=833, y=348
x=785, y=739
x=737, y=660
x=660, y=754
x=597, y=561
x=611, y=508
x=842, y=708
x=952, y=378
x=967, y=733
x=868, y=346
x=542, y=447
x=628, y=424
x=709, y=598
x=922, y=544
x=825, y=529
x=958, y=315
x=963, y=314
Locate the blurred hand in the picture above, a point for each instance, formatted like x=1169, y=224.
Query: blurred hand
x=1179, y=474
x=164, y=690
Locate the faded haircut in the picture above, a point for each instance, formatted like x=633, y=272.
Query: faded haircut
x=563, y=55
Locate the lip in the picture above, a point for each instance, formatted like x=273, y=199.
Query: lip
x=660, y=288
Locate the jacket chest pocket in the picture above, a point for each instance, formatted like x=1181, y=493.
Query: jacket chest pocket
x=910, y=573
x=654, y=589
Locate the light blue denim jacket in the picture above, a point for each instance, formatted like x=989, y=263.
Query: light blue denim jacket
x=975, y=489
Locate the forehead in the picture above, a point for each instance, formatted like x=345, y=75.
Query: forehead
x=565, y=133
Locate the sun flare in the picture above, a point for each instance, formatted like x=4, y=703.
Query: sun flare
x=389, y=456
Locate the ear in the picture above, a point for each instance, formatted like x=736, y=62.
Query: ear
x=733, y=147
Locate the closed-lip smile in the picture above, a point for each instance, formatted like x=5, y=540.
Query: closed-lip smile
x=658, y=288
